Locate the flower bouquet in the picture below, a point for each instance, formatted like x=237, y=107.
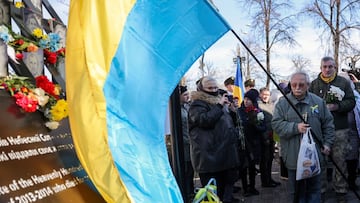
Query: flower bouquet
x=49, y=43
x=256, y=116
x=44, y=96
x=334, y=95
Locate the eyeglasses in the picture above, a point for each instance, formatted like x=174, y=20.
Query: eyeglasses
x=300, y=85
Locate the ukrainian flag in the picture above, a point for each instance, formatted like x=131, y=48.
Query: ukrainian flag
x=124, y=58
x=238, y=84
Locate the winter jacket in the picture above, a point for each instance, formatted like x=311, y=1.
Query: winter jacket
x=267, y=109
x=253, y=130
x=285, y=122
x=213, y=136
x=320, y=88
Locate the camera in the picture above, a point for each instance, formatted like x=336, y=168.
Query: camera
x=352, y=70
x=230, y=98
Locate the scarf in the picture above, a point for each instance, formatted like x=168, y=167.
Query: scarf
x=329, y=79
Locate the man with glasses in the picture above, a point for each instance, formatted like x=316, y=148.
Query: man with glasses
x=339, y=98
x=267, y=142
x=290, y=127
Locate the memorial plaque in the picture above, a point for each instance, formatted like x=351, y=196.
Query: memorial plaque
x=38, y=165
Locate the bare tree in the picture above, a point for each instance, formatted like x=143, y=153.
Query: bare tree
x=210, y=69
x=337, y=18
x=206, y=68
x=271, y=26
x=351, y=55
x=300, y=63
x=249, y=67
x=202, y=65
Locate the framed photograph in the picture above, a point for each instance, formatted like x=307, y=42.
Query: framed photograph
x=35, y=62
x=61, y=31
x=4, y=13
x=37, y=4
x=3, y=59
x=32, y=21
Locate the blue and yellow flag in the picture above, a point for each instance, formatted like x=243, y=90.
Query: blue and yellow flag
x=238, y=84
x=124, y=58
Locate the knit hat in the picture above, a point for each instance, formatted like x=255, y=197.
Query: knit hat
x=183, y=89
x=253, y=95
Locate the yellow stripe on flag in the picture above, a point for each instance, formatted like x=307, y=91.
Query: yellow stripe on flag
x=94, y=32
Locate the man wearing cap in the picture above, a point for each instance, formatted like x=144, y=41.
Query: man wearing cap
x=249, y=84
x=229, y=84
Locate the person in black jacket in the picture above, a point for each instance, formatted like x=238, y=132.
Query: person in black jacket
x=213, y=137
x=254, y=126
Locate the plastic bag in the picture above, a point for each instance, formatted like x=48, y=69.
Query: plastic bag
x=308, y=164
x=207, y=194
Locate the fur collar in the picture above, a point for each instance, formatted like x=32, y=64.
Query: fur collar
x=200, y=95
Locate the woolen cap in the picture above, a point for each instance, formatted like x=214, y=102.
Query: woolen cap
x=253, y=95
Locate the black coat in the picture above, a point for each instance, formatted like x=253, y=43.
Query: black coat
x=253, y=130
x=213, y=136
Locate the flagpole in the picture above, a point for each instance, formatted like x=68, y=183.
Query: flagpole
x=177, y=149
x=291, y=104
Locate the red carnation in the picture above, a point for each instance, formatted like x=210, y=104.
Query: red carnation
x=20, y=42
x=43, y=82
x=50, y=56
x=25, y=102
x=19, y=56
x=250, y=108
x=61, y=52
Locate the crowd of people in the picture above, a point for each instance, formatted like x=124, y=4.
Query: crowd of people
x=232, y=140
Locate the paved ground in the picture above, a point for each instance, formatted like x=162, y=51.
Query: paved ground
x=279, y=193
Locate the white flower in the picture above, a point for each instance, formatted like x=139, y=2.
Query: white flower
x=337, y=92
x=260, y=116
x=52, y=125
x=41, y=97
